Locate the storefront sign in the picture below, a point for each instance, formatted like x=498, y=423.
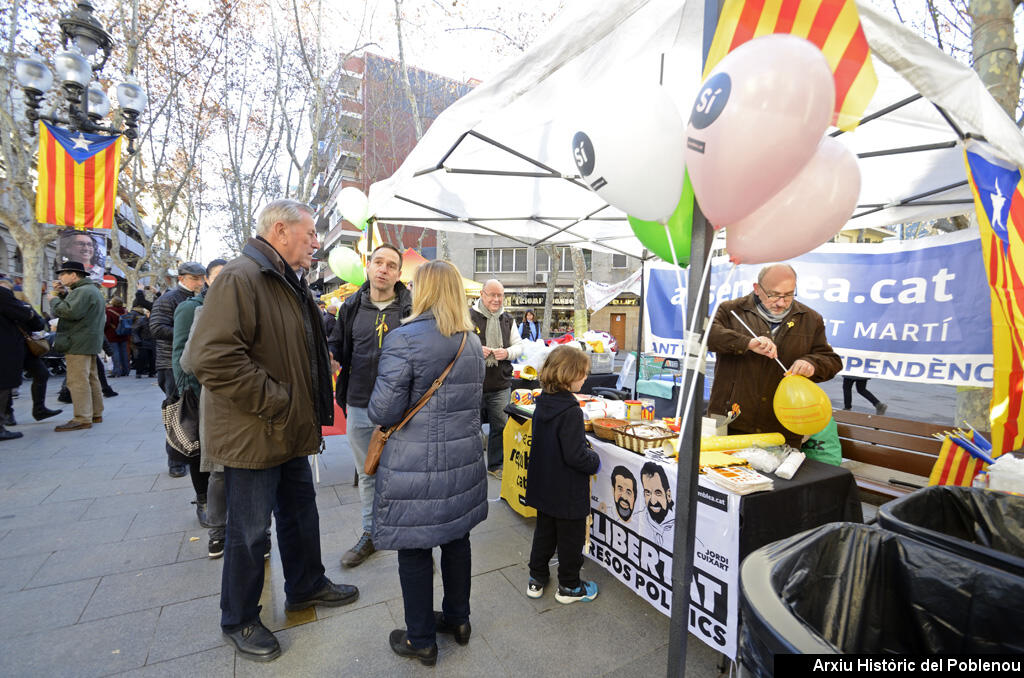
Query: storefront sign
x=632, y=535
x=536, y=299
x=915, y=310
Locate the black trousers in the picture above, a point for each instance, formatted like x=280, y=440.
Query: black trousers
x=567, y=537
x=862, y=388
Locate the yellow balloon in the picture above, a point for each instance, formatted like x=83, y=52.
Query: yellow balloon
x=801, y=406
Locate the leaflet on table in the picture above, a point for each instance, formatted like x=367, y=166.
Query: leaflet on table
x=633, y=511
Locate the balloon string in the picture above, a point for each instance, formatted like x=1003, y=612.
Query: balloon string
x=703, y=349
x=747, y=328
x=679, y=286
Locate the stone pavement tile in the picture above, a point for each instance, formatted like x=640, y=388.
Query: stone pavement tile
x=90, y=473
x=13, y=498
x=346, y=518
x=165, y=482
x=154, y=587
x=215, y=663
x=44, y=514
x=497, y=549
x=95, y=649
x=104, y=559
x=347, y=493
x=175, y=519
x=43, y=609
x=15, y=573
x=72, y=489
x=64, y=535
x=187, y=628
x=500, y=515
x=130, y=504
x=196, y=543
x=144, y=467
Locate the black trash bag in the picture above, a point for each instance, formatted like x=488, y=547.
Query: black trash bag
x=849, y=588
x=982, y=525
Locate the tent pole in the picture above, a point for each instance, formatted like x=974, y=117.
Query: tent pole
x=640, y=326
x=689, y=452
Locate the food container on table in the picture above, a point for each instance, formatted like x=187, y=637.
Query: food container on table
x=604, y=427
x=647, y=409
x=639, y=437
x=522, y=396
x=633, y=409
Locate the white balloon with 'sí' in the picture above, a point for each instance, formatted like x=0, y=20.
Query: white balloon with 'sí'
x=629, y=148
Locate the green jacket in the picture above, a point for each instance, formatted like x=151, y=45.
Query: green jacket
x=184, y=316
x=82, y=314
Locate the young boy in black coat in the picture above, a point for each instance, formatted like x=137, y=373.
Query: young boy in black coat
x=559, y=469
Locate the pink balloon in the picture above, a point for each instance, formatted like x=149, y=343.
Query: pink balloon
x=809, y=211
x=756, y=121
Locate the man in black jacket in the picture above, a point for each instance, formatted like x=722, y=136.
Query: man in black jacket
x=15, y=317
x=161, y=325
x=365, y=318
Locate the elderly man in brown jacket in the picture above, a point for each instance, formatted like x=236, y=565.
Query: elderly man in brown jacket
x=260, y=353
x=745, y=371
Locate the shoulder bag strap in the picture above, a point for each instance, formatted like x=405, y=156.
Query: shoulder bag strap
x=430, y=392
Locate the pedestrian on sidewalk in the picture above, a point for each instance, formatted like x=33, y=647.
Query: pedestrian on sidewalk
x=560, y=465
x=78, y=304
x=431, y=489
x=161, y=325
x=862, y=388
x=142, y=344
x=260, y=353
x=211, y=509
x=118, y=342
x=363, y=323
x=16, y=318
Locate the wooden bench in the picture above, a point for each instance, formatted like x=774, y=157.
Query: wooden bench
x=888, y=457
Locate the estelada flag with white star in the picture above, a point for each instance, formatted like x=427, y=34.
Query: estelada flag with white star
x=77, y=178
x=999, y=203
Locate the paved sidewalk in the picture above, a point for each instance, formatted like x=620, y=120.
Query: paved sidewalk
x=103, y=570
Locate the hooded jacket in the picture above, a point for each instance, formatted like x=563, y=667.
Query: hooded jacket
x=561, y=460
x=357, y=340
x=82, y=315
x=260, y=353
x=750, y=379
x=431, y=486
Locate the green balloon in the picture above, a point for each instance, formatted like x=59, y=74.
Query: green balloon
x=680, y=225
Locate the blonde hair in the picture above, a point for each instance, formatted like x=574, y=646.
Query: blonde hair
x=562, y=367
x=437, y=287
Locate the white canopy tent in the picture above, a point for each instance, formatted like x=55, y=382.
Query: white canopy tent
x=498, y=160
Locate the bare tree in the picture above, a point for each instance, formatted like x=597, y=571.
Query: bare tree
x=580, y=316
x=549, y=294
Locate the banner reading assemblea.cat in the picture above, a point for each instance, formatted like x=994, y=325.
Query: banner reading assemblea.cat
x=916, y=310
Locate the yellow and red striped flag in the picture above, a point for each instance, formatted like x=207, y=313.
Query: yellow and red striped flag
x=77, y=178
x=999, y=203
x=833, y=26
x=955, y=465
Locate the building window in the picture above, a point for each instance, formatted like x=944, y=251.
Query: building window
x=501, y=260
x=564, y=260
x=619, y=261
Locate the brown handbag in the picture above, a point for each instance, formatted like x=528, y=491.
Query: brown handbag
x=36, y=347
x=380, y=435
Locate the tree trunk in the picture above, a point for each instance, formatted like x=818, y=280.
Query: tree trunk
x=33, y=268
x=580, y=317
x=995, y=61
x=549, y=296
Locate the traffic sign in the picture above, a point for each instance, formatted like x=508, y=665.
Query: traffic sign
x=109, y=281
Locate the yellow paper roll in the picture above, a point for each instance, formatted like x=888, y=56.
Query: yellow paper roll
x=738, y=442
x=528, y=372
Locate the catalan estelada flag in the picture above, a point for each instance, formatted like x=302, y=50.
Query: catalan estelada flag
x=999, y=203
x=955, y=465
x=833, y=26
x=77, y=178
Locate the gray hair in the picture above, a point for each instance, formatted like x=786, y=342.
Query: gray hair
x=767, y=269
x=286, y=210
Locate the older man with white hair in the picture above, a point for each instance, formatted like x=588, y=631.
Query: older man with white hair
x=502, y=346
x=260, y=352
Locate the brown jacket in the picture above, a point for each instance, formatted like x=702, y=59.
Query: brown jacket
x=750, y=379
x=263, y=364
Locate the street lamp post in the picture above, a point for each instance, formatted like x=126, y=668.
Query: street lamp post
x=86, y=104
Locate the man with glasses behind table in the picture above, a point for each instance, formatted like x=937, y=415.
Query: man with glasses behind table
x=746, y=372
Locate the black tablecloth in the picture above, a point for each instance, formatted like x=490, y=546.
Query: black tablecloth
x=603, y=380
x=817, y=494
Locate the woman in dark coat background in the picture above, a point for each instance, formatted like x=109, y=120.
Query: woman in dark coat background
x=431, y=489
x=15, y=316
x=529, y=330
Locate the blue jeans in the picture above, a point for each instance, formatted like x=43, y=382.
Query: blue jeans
x=358, y=429
x=416, y=573
x=494, y=403
x=120, y=351
x=288, y=491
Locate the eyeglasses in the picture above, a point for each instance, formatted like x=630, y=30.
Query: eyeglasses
x=775, y=296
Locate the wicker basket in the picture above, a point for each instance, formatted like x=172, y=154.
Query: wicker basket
x=604, y=428
x=625, y=437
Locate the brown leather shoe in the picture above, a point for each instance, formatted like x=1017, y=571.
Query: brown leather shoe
x=97, y=420
x=72, y=426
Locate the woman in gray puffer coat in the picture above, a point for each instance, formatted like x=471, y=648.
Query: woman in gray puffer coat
x=431, y=489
